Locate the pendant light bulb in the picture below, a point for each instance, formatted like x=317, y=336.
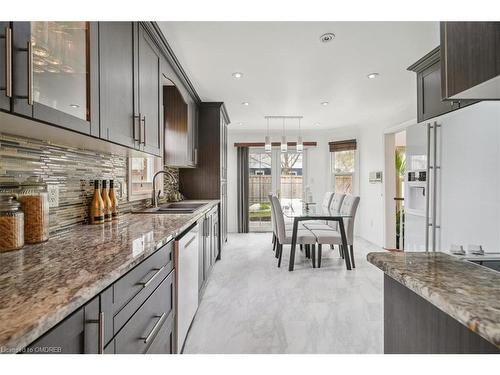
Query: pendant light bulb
x=284, y=145
x=300, y=144
x=267, y=145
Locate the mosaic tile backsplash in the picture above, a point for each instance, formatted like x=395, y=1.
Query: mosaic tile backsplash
x=73, y=171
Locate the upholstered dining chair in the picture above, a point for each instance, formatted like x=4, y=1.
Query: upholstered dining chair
x=284, y=234
x=328, y=236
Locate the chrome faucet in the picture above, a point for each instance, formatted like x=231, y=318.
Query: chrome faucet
x=155, y=196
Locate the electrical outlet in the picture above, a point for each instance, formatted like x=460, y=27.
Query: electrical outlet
x=53, y=191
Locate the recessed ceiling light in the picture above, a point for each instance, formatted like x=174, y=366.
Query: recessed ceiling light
x=327, y=37
x=237, y=75
x=74, y=106
x=246, y=104
x=373, y=75
x=324, y=104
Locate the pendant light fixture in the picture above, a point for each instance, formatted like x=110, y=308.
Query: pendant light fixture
x=300, y=144
x=284, y=145
x=267, y=146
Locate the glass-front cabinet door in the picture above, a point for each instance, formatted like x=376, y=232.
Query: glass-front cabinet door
x=54, y=63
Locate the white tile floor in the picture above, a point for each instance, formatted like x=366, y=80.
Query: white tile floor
x=251, y=306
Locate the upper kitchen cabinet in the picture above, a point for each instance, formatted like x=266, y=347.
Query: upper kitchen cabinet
x=129, y=88
x=180, y=129
x=470, y=60
x=5, y=65
x=119, y=121
x=148, y=85
x=429, y=102
x=54, y=73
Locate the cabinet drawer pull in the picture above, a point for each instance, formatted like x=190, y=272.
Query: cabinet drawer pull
x=100, y=332
x=189, y=242
x=155, y=328
x=158, y=271
x=8, y=62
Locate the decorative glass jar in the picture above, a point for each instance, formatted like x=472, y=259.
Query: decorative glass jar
x=11, y=224
x=34, y=200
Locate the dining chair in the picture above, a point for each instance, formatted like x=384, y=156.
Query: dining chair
x=284, y=235
x=329, y=236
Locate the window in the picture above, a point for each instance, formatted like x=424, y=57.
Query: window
x=141, y=172
x=343, y=166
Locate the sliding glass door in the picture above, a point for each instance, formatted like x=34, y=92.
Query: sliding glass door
x=276, y=172
x=259, y=187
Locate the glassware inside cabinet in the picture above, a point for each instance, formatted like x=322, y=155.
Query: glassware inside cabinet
x=60, y=66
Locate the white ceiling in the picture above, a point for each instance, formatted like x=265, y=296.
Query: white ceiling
x=288, y=71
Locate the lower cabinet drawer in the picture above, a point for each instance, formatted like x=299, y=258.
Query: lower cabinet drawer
x=123, y=298
x=143, y=328
x=163, y=343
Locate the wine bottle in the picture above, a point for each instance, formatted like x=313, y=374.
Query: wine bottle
x=96, y=206
x=106, y=201
x=114, y=200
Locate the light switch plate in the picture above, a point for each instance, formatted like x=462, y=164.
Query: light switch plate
x=53, y=191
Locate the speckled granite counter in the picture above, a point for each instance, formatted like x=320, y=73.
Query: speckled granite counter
x=42, y=284
x=465, y=291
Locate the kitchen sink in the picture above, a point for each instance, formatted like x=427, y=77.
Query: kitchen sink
x=173, y=208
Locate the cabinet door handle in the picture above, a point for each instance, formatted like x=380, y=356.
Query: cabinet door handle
x=143, y=130
x=8, y=62
x=134, y=132
x=155, y=328
x=30, y=72
x=100, y=332
x=195, y=156
x=158, y=271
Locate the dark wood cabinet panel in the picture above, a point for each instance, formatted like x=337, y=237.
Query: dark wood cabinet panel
x=5, y=74
x=116, y=61
x=149, y=94
x=470, y=55
x=429, y=99
x=414, y=326
x=77, y=334
x=177, y=146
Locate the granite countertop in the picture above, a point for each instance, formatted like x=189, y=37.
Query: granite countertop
x=468, y=292
x=42, y=284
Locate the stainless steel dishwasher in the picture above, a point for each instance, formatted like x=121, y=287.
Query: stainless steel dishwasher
x=187, y=261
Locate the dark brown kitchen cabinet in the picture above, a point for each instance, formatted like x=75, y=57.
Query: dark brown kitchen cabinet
x=148, y=85
x=55, y=73
x=77, y=334
x=429, y=101
x=208, y=179
x=470, y=60
x=5, y=65
x=118, y=117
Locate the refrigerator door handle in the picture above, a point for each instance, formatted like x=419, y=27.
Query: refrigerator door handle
x=427, y=183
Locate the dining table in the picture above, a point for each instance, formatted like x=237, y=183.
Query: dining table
x=312, y=212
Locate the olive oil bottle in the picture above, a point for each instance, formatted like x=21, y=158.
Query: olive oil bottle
x=96, y=206
x=114, y=200
x=106, y=201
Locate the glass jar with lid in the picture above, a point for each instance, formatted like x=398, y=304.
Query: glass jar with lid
x=34, y=200
x=11, y=224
